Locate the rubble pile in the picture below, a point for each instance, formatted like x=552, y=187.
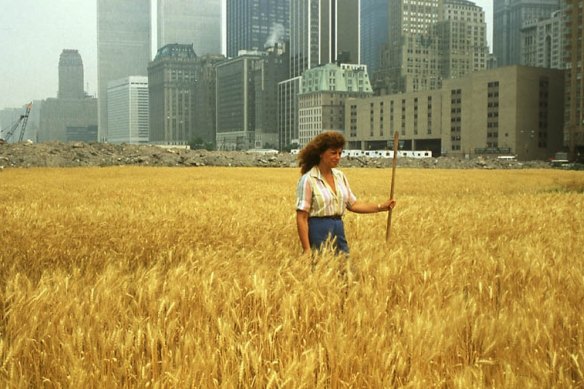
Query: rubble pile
x=76, y=154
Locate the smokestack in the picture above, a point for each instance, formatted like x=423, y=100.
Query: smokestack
x=277, y=35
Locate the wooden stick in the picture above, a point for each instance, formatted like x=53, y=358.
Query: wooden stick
x=394, y=165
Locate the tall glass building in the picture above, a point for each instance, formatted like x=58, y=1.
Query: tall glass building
x=323, y=31
x=255, y=24
x=374, y=32
x=574, y=114
x=196, y=22
x=123, y=47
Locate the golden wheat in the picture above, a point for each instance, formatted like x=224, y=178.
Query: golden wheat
x=162, y=277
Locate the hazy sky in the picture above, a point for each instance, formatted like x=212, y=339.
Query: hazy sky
x=33, y=33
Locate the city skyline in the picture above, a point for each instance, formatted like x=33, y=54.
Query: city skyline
x=32, y=41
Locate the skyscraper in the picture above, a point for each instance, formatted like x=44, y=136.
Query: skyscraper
x=430, y=41
x=196, y=22
x=267, y=74
x=462, y=37
x=374, y=32
x=288, y=91
x=411, y=59
x=543, y=42
x=172, y=77
x=123, y=47
x=574, y=114
x=509, y=17
x=205, y=99
x=70, y=75
x=246, y=98
x=323, y=31
x=72, y=116
x=236, y=102
x=255, y=24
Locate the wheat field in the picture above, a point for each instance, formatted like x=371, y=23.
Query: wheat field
x=192, y=278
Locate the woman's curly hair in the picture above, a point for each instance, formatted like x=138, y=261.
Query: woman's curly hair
x=309, y=156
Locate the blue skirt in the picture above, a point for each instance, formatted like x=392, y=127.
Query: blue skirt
x=321, y=229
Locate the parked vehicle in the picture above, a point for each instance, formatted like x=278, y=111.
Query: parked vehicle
x=387, y=153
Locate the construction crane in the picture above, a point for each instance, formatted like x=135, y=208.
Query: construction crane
x=22, y=120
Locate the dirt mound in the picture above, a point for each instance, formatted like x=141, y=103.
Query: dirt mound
x=74, y=154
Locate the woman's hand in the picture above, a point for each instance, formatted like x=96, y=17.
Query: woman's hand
x=386, y=206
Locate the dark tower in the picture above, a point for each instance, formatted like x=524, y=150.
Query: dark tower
x=256, y=24
x=70, y=75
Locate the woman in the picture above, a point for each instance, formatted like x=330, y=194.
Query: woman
x=323, y=194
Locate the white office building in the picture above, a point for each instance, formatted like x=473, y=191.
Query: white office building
x=127, y=109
